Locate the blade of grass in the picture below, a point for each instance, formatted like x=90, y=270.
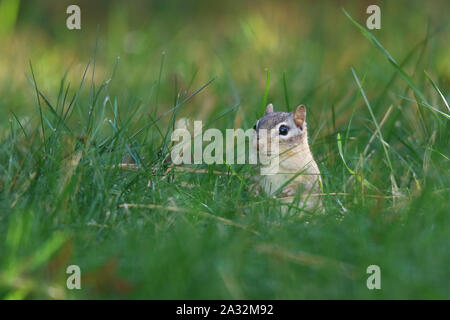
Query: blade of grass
x=77, y=93
x=173, y=108
x=39, y=106
x=391, y=60
x=21, y=127
x=48, y=103
x=378, y=130
x=353, y=173
x=437, y=89
x=426, y=105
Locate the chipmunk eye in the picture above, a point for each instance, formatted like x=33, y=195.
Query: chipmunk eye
x=283, y=130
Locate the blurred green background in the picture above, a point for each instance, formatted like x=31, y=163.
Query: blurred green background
x=148, y=56
x=312, y=43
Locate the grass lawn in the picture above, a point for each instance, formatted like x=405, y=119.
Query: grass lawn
x=75, y=104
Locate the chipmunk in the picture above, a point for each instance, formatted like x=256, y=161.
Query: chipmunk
x=295, y=160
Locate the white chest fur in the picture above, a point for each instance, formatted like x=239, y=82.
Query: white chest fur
x=296, y=165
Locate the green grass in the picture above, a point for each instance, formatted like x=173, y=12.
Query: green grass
x=378, y=126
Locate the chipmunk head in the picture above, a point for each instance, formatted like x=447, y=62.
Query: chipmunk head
x=289, y=128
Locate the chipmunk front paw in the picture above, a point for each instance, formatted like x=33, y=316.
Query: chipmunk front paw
x=288, y=191
x=255, y=189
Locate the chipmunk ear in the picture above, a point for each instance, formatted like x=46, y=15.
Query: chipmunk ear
x=300, y=116
x=269, y=108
